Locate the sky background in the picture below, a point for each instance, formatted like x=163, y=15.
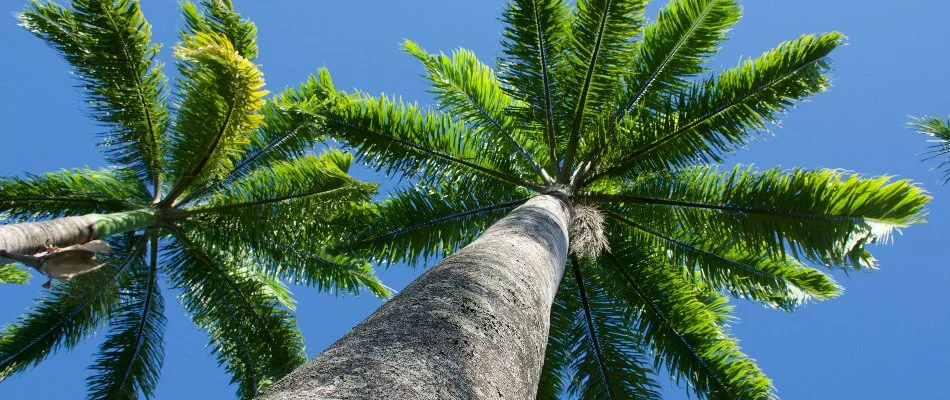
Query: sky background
x=885, y=338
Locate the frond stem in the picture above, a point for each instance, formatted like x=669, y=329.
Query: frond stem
x=579, y=112
x=591, y=330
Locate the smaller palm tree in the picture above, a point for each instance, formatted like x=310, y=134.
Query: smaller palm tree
x=939, y=130
x=217, y=196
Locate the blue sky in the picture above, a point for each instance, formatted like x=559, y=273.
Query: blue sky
x=884, y=339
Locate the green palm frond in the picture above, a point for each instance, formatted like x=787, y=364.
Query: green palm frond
x=939, y=130
x=303, y=182
x=686, y=334
x=288, y=130
x=826, y=216
x=221, y=93
x=468, y=89
x=70, y=312
x=425, y=222
x=12, y=273
x=108, y=43
x=536, y=31
x=219, y=17
x=396, y=136
x=272, y=211
x=600, y=50
x=131, y=357
x=70, y=192
x=609, y=357
x=255, y=339
x=716, y=261
x=718, y=115
x=686, y=33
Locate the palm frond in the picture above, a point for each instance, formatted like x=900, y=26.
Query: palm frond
x=219, y=17
x=939, y=130
x=686, y=334
x=289, y=130
x=70, y=312
x=825, y=216
x=609, y=357
x=720, y=114
x=221, y=94
x=468, y=89
x=395, y=136
x=130, y=359
x=255, y=339
x=308, y=181
x=535, y=33
x=674, y=48
x=69, y=193
x=600, y=50
x=718, y=262
x=13, y=273
x=108, y=43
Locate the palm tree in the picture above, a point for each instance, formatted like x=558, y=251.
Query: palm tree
x=939, y=130
x=588, y=149
x=218, y=196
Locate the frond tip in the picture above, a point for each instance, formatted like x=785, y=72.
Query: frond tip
x=587, y=232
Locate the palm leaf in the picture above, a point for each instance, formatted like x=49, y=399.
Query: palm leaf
x=716, y=261
x=608, y=358
x=70, y=312
x=469, y=90
x=685, y=333
x=535, y=33
x=12, y=273
x=288, y=131
x=131, y=357
x=940, y=131
x=395, y=136
x=69, y=193
x=219, y=17
x=717, y=115
x=108, y=43
x=253, y=338
x=220, y=95
x=600, y=50
x=674, y=48
x=825, y=216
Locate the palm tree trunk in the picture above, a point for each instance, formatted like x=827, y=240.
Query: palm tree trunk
x=28, y=238
x=474, y=326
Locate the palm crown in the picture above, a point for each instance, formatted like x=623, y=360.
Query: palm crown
x=220, y=186
x=620, y=117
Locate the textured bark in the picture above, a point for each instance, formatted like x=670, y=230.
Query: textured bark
x=28, y=238
x=474, y=326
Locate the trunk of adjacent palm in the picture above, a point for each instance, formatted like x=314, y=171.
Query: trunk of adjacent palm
x=474, y=326
x=28, y=238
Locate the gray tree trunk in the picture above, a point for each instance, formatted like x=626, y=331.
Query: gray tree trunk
x=474, y=326
x=28, y=238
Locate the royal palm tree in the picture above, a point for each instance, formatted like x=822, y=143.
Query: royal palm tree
x=213, y=190
x=939, y=130
x=588, y=149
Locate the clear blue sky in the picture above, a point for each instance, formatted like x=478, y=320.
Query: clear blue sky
x=884, y=339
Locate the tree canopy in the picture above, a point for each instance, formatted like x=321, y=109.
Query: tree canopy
x=239, y=204
x=623, y=117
